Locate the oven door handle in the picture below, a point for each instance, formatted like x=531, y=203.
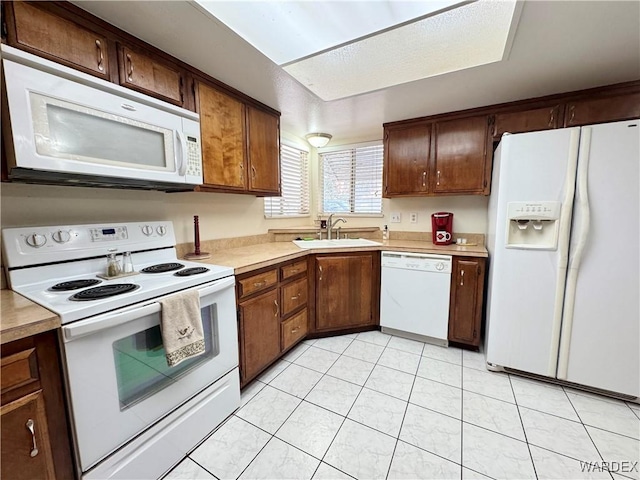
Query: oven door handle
x=110, y=320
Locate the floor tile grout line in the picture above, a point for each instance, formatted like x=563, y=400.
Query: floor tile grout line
x=584, y=426
x=404, y=416
x=524, y=430
x=201, y=466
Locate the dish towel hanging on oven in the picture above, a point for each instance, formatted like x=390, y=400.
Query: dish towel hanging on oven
x=181, y=326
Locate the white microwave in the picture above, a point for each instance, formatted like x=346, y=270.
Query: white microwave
x=69, y=127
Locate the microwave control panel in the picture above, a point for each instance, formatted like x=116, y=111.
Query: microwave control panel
x=194, y=160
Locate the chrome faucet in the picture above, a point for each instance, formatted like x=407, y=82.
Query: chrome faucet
x=331, y=224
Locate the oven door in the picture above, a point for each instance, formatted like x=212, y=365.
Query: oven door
x=118, y=377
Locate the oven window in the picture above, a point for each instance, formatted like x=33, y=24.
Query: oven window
x=141, y=365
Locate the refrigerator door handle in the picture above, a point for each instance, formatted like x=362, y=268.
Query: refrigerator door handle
x=582, y=206
x=563, y=248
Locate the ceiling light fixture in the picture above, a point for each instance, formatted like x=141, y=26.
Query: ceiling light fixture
x=318, y=140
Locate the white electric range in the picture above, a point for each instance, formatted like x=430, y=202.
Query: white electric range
x=133, y=416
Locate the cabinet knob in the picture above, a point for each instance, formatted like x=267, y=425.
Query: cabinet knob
x=31, y=426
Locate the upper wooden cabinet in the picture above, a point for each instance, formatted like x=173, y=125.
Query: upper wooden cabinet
x=46, y=34
x=437, y=158
x=460, y=162
x=406, y=160
x=222, y=130
x=263, y=141
x=240, y=145
x=526, y=120
x=600, y=110
x=148, y=74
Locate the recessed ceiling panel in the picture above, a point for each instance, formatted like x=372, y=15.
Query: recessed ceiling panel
x=465, y=37
x=286, y=31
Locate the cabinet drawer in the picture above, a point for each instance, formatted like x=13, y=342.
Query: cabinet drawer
x=18, y=369
x=294, y=295
x=292, y=270
x=256, y=283
x=294, y=329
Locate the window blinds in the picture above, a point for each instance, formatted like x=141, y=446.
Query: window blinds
x=294, y=177
x=352, y=180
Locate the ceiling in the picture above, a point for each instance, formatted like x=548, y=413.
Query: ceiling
x=559, y=46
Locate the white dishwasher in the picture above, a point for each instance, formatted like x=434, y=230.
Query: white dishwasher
x=414, y=295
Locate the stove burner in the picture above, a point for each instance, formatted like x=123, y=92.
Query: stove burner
x=162, y=267
x=74, y=285
x=191, y=271
x=103, y=291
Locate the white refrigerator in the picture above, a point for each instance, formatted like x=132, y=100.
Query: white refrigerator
x=563, y=238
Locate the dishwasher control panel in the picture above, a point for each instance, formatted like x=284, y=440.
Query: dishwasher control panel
x=423, y=262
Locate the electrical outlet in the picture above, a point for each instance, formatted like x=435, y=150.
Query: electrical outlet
x=396, y=217
x=413, y=217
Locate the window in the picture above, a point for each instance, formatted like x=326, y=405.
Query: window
x=351, y=180
x=294, y=174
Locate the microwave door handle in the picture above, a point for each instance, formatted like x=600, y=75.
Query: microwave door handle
x=182, y=170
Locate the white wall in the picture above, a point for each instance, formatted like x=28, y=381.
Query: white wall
x=221, y=215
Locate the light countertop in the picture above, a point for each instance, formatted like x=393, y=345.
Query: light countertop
x=21, y=318
x=248, y=258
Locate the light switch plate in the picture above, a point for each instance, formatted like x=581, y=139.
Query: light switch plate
x=396, y=217
x=413, y=217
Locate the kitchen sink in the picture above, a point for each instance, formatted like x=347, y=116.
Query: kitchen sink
x=344, y=242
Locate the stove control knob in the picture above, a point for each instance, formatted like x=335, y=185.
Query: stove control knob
x=162, y=230
x=147, y=230
x=439, y=266
x=36, y=240
x=61, y=236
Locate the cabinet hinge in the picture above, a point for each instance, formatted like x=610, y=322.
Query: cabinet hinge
x=478, y=270
x=485, y=183
x=182, y=90
x=474, y=334
x=491, y=120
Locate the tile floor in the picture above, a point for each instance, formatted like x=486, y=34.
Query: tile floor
x=371, y=405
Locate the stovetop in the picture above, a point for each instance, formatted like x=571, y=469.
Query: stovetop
x=83, y=258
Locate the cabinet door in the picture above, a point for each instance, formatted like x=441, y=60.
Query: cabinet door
x=149, y=75
x=260, y=333
x=600, y=110
x=526, y=121
x=264, y=151
x=344, y=291
x=26, y=447
x=465, y=311
x=46, y=34
x=460, y=164
x=406, y=160
x=223, y=135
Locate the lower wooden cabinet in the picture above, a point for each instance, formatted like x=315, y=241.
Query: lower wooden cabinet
x=347, y=290
x=260, y=333
x=35, y=433
x=465, y=308
x=272, y=315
